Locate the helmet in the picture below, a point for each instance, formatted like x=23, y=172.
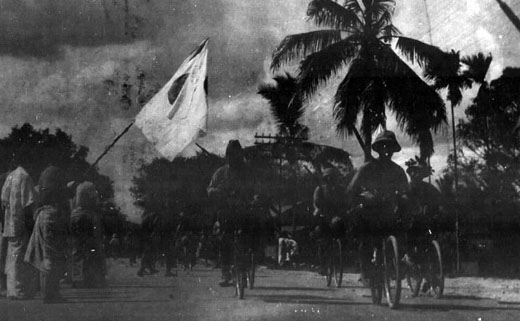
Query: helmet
x=233, y=149
x=386, y=139
x=418, y=167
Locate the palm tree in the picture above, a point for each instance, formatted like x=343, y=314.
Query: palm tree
x=357, y=36
x=477, y=69
x=286, y=106
x=446, y=71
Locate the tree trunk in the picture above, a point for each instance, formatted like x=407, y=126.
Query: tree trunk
x=456, y=184
x=366, y=148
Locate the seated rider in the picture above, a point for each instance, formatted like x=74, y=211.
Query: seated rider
x=424, y=207
x=376, y=191
x=229, y=193
x=328, y=203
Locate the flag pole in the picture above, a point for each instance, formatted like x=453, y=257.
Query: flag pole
x=109, y=147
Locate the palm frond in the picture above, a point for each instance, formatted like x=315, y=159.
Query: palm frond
x=417, y=107
x=285, y=101
x=297, y=46
x=383, y=9
x=318, y=67
x=446, y=73
x=420, y=52
x=353, y=5
x=331, y=14
x=350, y=95
x=478, y=66
x=374, y=104
x=388, y=32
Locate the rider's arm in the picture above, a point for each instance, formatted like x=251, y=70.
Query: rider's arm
x=217, y=184
x=318, y=201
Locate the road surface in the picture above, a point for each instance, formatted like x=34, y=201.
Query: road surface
x=280, y=295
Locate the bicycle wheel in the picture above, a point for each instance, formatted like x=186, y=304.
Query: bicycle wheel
x=435, y=270
x=251, y=272
x=338, y=263
x=392, y=279
x=414, y=280
x=414, y=277
x=375, y=279
x=239, y=283
x=330, y=270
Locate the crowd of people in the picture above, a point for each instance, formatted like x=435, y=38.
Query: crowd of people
x=46, y=226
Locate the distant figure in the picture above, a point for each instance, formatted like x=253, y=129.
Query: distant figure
x=150, y=238
x=46, y=249
x=114, y=245
x=287, y=249
x=328, y=201
x=131, y=246
x=87, y=231
x=3, y=244
x=19, y=198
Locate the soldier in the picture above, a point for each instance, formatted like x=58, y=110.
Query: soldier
x=377, y=191
x=328, y=203
x=229, y=193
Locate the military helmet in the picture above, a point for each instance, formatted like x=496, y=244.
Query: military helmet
x=386, y=139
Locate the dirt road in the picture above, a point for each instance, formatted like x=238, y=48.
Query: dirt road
x=280, y=295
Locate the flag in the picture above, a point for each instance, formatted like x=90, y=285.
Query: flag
x=177, y=115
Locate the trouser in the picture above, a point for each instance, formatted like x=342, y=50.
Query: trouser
x=226, y=252
x=50, y=282
x=171, y=254
x=20, y=276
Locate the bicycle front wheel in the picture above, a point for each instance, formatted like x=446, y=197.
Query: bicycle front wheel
x=338, y=263
x=251, y=272
x=435, y=269
x=392, y=278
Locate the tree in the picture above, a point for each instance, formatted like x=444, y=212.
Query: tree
x=41, y=148
x=359, y=38
x=166, y=187
x=286, y=106
x=487, y=132
x=446, y=71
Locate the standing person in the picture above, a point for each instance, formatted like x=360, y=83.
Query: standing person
x=46, y=248
x=229, y=193
x=129, y=242
x=19, y=198
x=3, y=244
x=115, y=245
x=150, y=231
x=87, y=231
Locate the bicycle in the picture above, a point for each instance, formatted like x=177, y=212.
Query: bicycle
x=243, y=268
x=335, y=264
x=383, y=272
x=428, y=268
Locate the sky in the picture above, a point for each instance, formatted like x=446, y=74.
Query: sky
x=66, y=64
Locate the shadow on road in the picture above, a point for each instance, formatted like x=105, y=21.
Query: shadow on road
x=140, y=286
x=306, y=299
x=114, y=301
x=289, y=288
x=461, y=297
x=452, y=307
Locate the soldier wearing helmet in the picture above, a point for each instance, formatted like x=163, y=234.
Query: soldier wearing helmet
x=377, y=191
x=229, y=191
